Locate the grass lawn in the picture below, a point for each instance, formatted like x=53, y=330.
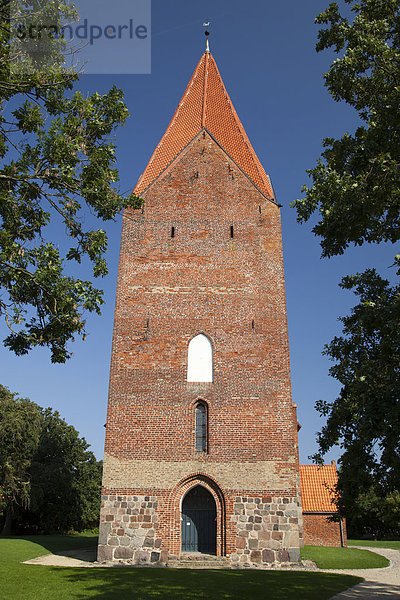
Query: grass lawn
x=395, y=544
x=54, y=543
x=31, y=582
x=343, y=558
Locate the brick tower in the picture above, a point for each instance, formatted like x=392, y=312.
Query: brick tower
x=201, y=439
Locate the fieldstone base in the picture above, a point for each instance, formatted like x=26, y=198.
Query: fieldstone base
x=106, y=554
x=162, y=559
x=268, y=530
x=267, y=558
x=127, y=531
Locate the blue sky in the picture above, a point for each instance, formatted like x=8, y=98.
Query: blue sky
x=266, y=55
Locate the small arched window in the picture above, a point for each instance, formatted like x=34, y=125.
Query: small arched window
x=201, y=419
x=200, y=361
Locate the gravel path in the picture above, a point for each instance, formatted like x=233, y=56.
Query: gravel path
x=69, y=558
x=379, y=583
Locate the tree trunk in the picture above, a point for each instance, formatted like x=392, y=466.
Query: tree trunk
x=8, y=521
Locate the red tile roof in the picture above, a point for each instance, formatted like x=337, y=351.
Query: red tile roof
x=316, y=485
x=206, y=105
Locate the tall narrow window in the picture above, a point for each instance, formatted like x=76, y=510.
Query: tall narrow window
x=200, y=361
x=201, y=427
x=231, y=231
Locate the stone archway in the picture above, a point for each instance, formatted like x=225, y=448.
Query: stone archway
x=199, y=521
x=177, y=499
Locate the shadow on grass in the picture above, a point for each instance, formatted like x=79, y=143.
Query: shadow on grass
x=58, y=543
x=194, y=584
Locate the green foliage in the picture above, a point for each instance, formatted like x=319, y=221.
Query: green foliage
x=343, y=558
x=371, y=510
x=355, y=194
x=58, y=161
x=366, y=415
x=19, y=438
x=49, y=479
x=365, y=418
x=355, y=189
x=66, y=480
x=24, y=582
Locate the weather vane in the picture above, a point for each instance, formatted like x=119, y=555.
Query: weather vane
x=206, y=24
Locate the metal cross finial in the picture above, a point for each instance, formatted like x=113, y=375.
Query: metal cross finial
x=207, y=33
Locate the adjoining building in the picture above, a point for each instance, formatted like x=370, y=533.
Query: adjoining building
x=322, y=525
x=201, y=450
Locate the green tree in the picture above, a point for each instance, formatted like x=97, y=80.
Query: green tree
x=19, y=437
x=355, y=194
x=366, y=415
x=355, y=189
x=65, y=480
x=367, y=364
x=49, y=480
x=58, y=163
x=368, y=508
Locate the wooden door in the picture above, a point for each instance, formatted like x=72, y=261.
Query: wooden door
x=199, y=522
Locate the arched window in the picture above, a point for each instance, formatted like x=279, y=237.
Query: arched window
x=200, y=363
x=200, y=413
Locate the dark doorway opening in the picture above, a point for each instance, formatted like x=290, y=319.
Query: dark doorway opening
x=199, y=522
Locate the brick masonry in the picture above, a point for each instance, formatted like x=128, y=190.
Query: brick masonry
x=231, y=289
x=322, y=530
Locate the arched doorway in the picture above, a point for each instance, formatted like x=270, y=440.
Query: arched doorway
x=199, y=521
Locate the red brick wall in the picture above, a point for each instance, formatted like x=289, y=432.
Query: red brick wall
x=318, y=530
x=171, y=289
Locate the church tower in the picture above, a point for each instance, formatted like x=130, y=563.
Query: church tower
x=201, y=437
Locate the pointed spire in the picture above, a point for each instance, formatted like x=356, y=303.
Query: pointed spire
x=207, y=33
x=206, y=105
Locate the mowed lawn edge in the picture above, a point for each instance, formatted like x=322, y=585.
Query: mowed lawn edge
x=32, y=582
x=391, y=544
x=343, y=558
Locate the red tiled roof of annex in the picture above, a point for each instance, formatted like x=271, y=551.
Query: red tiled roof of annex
x=206, y=105
x=317, y=483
